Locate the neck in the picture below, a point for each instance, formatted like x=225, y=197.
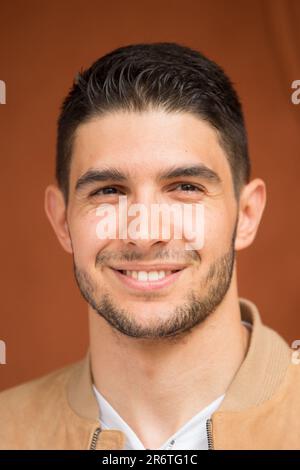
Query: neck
x=144, y=381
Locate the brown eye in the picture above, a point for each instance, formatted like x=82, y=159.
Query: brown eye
x=189, y=187
x=108, y=190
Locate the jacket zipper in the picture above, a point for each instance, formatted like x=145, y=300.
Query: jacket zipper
x=95, y=438
x=208, y=431
x=209, y=434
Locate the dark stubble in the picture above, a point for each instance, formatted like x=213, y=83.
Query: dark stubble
x=197, y=306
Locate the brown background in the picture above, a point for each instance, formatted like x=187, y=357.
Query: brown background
x=42, y=45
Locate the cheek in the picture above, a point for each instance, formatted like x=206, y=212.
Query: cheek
x=85, y=241
x=218, y=229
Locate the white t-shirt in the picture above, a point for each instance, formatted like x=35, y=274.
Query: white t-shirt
x=191, y=436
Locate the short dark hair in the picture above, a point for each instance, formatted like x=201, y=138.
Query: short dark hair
x=164, y=75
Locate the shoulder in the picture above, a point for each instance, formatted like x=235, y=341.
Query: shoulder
x=46, y=385
x=32, y=403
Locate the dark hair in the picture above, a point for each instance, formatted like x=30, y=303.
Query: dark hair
x=164, y=75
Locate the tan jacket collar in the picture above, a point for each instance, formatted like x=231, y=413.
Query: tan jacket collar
x=263, y=368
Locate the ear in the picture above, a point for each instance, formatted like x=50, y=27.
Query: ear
x=251, y=206
x=56, y=211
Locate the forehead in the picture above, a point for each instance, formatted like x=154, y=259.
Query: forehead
x=142, y=144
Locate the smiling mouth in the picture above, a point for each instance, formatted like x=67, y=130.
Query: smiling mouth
x=149, y=276
x=146, y=280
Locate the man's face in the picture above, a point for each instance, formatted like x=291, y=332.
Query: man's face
x=139, y=153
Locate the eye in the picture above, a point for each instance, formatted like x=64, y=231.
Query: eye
x=107, y=191
x=188, y=187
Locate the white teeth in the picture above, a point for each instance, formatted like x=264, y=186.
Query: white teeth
x=142, y=276
x=147, y=276
x=153, y=276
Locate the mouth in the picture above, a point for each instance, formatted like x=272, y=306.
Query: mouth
x=147, y=279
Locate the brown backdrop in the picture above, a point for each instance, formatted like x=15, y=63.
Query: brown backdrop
x=43, y=44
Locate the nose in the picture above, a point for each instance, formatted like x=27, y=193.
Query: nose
x=144, y=244
x=145, y=233
x=145, y=226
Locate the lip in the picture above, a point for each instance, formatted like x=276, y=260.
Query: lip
x=149, y=267
x=148, y=285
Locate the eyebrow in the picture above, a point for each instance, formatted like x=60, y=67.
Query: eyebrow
x=198, y=171
x=94, y=175
x=113, y=174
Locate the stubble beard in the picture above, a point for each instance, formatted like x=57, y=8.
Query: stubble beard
x=193, y=311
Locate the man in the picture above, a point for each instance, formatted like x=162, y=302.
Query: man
x=176, y=359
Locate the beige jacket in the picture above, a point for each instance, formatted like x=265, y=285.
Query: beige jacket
x=261, y=409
